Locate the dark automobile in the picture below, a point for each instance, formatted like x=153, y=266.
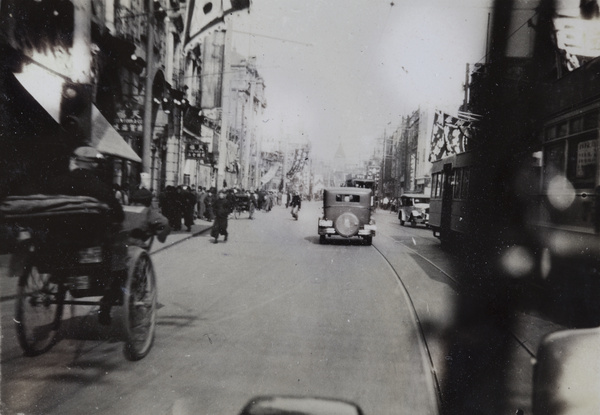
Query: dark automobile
x=347, y=213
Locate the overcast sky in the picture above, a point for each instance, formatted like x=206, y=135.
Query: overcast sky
x=347, y=70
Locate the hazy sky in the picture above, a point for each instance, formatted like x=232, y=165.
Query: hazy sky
x=347, y=70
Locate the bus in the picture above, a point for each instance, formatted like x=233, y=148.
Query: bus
x=360, y=183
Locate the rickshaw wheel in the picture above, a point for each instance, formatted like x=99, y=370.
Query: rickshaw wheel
x=139, y=305
x=38, y=311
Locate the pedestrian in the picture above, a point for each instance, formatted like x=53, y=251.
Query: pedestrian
x=252, y=206
x=208, y=202
x=189, y=200
x=168, y=206
x=222, y=209
x=119, y=194
x=201, y=203
x=178, y=207
x=296, y=205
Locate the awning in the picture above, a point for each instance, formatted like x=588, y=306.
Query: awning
x=192, y=122
x=107, y=140
x=105, y=137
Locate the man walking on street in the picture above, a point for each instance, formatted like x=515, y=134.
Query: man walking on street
x=296, y=204
x=221, y=209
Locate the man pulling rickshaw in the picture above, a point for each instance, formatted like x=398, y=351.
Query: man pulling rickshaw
x=78, y=239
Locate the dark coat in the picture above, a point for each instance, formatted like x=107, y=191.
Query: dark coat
x=296, y=201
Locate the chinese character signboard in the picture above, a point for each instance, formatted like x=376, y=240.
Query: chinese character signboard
x=129, y=121
x=194, y=151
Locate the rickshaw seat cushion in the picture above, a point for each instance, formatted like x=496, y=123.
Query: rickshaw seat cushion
x=75, y=220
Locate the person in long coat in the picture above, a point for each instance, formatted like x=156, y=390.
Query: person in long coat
x=201, y=203
x=188, y=201
x=208, y=202
x=222, y=208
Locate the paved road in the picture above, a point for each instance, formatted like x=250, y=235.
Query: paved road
x=270, y=311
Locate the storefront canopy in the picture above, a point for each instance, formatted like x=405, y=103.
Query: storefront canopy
x=108, y=141
x=45, y=113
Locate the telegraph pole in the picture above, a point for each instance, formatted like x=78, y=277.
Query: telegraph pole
x=147, y=126
x=247, y=142
x=225, y=98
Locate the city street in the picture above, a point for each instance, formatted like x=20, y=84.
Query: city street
x=444, y=157
x=268, y=312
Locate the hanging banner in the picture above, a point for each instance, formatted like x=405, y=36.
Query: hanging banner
x=270, y=174
x=450, y=135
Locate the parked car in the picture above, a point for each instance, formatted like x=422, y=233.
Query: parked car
x=347, y=213
x=414, y=208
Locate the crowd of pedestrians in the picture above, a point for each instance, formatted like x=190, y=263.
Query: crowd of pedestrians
x=182, y=205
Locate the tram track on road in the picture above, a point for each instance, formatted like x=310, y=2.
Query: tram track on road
x=429, y=362
x=459, y=284
x=455, y=281
x=411, y=237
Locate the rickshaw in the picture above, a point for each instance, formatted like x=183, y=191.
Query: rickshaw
x=242, y=203
x=68, y=251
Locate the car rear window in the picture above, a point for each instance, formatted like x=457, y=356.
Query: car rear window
x=347, y=198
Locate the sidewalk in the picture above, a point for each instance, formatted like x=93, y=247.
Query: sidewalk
x=175, y=237
x=200, y=226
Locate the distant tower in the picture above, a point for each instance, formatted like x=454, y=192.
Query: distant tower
x=339, y=160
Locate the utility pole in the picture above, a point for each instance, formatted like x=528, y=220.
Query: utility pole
x=248, y=139
x=225, y=98
x=147, y=134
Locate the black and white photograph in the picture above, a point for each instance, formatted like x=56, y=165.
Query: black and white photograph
x=299, y=207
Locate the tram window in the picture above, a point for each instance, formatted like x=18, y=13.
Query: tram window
x=562, y=129
x=464, y=189
x=575, y=125
x=457, y=183
x=550, y=133
x=590, y=120
x=436, y=188
x=582, y=162
x=554, y=162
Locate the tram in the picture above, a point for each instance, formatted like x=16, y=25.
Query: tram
x=449, y=205
x=561, y=208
